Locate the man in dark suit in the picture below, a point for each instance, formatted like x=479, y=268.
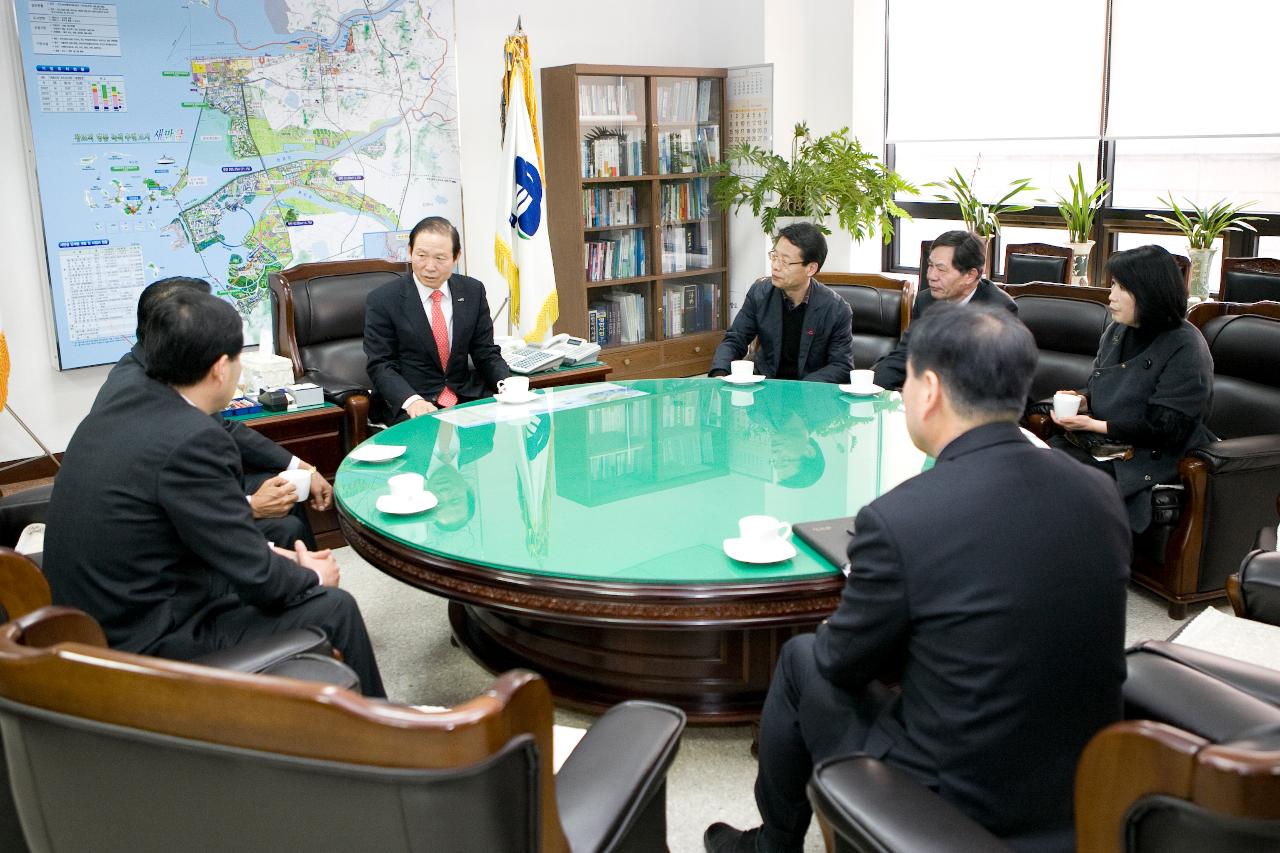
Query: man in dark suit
x=148, y=528
x=957, y=260
x=281, y=519
x=420, y=329
x=1004, y=624
x=805, y=329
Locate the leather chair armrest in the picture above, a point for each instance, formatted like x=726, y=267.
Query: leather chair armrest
x=1250, y=453
x=1259, y=584
x=878, y=807
x=1206, y=694
x=17, y=510
x=261, y=654
x=619, y=766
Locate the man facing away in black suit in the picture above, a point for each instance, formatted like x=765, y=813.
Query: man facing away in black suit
x=420, y=329
x=281, y=519
x=148, y=528
x=957, y=260
x=1003, y=622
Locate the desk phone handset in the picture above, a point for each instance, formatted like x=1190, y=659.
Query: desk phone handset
x=551, y=353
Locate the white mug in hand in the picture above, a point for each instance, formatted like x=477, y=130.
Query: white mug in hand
x=763, y=529
x=301, y=480
x=1066, y=405
x=742, y=368
x=516, y=385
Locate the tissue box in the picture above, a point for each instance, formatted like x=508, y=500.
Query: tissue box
x=306, y=394
x=265, y=370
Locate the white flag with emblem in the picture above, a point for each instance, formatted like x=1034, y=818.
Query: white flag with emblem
x=522, y=249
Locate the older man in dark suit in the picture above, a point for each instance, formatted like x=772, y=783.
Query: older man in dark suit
x=957, y=260
x=420, y=329
x=805, y=329
x=1004, y=623
x=149, y=531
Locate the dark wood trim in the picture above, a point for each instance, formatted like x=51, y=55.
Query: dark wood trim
x=25, y=470
x=1101, y=295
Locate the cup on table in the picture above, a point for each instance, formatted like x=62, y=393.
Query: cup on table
x=862, y=380
x=1065, y=405
x=763, y=529
x=517, y=385
x=406, y=487
x=301, y=480
x=742, y=369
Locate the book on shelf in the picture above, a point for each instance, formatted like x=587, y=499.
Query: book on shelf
x=603, y=207
x=624, y=318
x=606, y=100
x=676, y=154
x=611, y=154
x=617, y=256
x=690, y=199
x=677, y=101
x=690, y=308
x=704, y=100
x=707, y=152
x=686, y=246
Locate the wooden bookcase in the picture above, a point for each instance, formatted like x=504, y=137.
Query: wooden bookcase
x=633, y=232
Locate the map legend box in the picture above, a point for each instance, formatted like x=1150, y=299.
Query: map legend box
x=82, y=93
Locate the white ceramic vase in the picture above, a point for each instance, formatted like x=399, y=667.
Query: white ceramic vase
x=1080, y=262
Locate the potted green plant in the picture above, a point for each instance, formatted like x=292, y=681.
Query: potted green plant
x=1202, y=226
x=979, y=217
x=824, y=176
x=1078, y=212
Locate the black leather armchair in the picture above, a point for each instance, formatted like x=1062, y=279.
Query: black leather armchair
x=20, y=508
x=1229, y=486
x=1067, y=322
x=1028, y=262
x=881, y=308
x=1249, y=280
x=1254, y=591
x=318, y=316
x=118, y=752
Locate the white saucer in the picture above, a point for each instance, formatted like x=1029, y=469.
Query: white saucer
x=394, y=506
x=377, y=452
x=512, y=397
x=751, y=552
x=742, y=380
x=861, y=392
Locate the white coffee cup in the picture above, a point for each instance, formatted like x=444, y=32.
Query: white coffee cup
x=516, y=386
x=301, y=480
x=763, y=529
x=1066, y=405
x=406, y=486
x=742, y=368
x=862, y=380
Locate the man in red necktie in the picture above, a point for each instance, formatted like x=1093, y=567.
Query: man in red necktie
x=420, y=329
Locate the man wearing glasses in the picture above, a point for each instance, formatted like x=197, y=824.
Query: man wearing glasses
x=957, y=260
x=805, y=330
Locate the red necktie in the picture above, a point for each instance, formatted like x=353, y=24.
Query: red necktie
x=438, y=328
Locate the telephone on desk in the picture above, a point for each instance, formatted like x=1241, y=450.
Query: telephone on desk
x=549, y=354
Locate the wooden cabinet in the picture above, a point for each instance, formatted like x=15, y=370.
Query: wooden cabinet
x=640, y=254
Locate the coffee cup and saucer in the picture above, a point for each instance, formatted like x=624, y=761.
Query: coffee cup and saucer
x=408, y=495
x=515, y=389
x=861, y=384
x=762, y=539
x=742, y=373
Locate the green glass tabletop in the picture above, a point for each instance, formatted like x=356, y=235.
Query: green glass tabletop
x=643, y=489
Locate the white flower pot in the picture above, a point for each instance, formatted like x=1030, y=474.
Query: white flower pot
x=1080, y=262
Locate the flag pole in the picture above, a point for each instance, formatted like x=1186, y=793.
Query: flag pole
x=47, y=452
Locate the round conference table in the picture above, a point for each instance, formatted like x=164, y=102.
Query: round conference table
x=581, y=535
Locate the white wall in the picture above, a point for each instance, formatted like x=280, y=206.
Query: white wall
x=820, y=74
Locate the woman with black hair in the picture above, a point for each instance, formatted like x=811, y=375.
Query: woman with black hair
x=1152, y=382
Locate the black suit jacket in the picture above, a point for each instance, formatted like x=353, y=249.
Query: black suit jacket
x=257, y=452
x=891, y=369
x=148, y=528
x=403, y=360
x=826, y=341
x=1007, y=620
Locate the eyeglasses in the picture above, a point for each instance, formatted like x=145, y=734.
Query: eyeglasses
x=775, y=258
